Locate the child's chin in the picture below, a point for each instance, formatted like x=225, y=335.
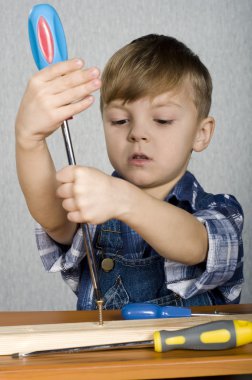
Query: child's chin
x=143, y=183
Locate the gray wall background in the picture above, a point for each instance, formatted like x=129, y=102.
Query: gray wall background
x=218, y=30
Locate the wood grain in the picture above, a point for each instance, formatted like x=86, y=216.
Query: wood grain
x=28, y=338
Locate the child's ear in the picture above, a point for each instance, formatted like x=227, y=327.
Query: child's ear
x=204, y=134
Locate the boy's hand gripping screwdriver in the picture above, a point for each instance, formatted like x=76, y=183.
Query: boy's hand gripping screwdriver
x=48, y=45
x=219, y=335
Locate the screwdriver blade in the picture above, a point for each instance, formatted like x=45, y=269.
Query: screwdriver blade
x=72, y=350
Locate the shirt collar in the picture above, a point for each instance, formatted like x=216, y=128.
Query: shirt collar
x=185, y=188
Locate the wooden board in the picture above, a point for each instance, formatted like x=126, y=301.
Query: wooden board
x=28, y=338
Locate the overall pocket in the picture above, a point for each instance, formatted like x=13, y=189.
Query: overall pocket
x=116, y=297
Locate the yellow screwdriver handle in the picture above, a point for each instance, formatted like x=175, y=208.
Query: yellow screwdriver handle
x=217, y=335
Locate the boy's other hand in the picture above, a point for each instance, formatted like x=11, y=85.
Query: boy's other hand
x=53, y=95
x=89, y=195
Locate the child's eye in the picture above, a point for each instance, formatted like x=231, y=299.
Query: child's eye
x=164, y=122
x=119, y=122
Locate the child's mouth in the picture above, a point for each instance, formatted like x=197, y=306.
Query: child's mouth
x=139, y=159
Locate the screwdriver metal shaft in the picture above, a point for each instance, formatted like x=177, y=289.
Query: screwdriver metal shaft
x=85, y=230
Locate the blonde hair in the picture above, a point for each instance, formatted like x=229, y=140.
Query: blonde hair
x=152, y=65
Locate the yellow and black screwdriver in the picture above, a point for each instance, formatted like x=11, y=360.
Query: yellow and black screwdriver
x=217, y=335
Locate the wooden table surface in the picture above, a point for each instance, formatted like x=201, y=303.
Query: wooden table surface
x=125, y=363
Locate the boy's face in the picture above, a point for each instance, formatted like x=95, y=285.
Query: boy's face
x=149, y=141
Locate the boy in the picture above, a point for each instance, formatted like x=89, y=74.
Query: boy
x=158, y=236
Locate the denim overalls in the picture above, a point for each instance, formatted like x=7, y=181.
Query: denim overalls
x=138, y=272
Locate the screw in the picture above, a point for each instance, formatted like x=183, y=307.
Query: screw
x=100, y=306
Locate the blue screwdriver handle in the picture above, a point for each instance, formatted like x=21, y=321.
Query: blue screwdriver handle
x=47, y=37
x=151, y=311
x=48, y=46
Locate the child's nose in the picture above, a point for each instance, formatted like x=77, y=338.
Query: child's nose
x=138, y=133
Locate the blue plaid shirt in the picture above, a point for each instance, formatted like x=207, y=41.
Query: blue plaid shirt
x=222, y=216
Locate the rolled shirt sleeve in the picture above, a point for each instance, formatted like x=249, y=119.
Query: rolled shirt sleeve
x=223, y=220
x=61, y=258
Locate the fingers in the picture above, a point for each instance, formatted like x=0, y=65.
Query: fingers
x=72, y=91
x=62, y=68
x=69, y=205
x=66, y=175
x=66, y=112
x=63, y=90
x=75, y=216
x=65, y=190
x=77, y=93
x=75, y=78
x=78, y=193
